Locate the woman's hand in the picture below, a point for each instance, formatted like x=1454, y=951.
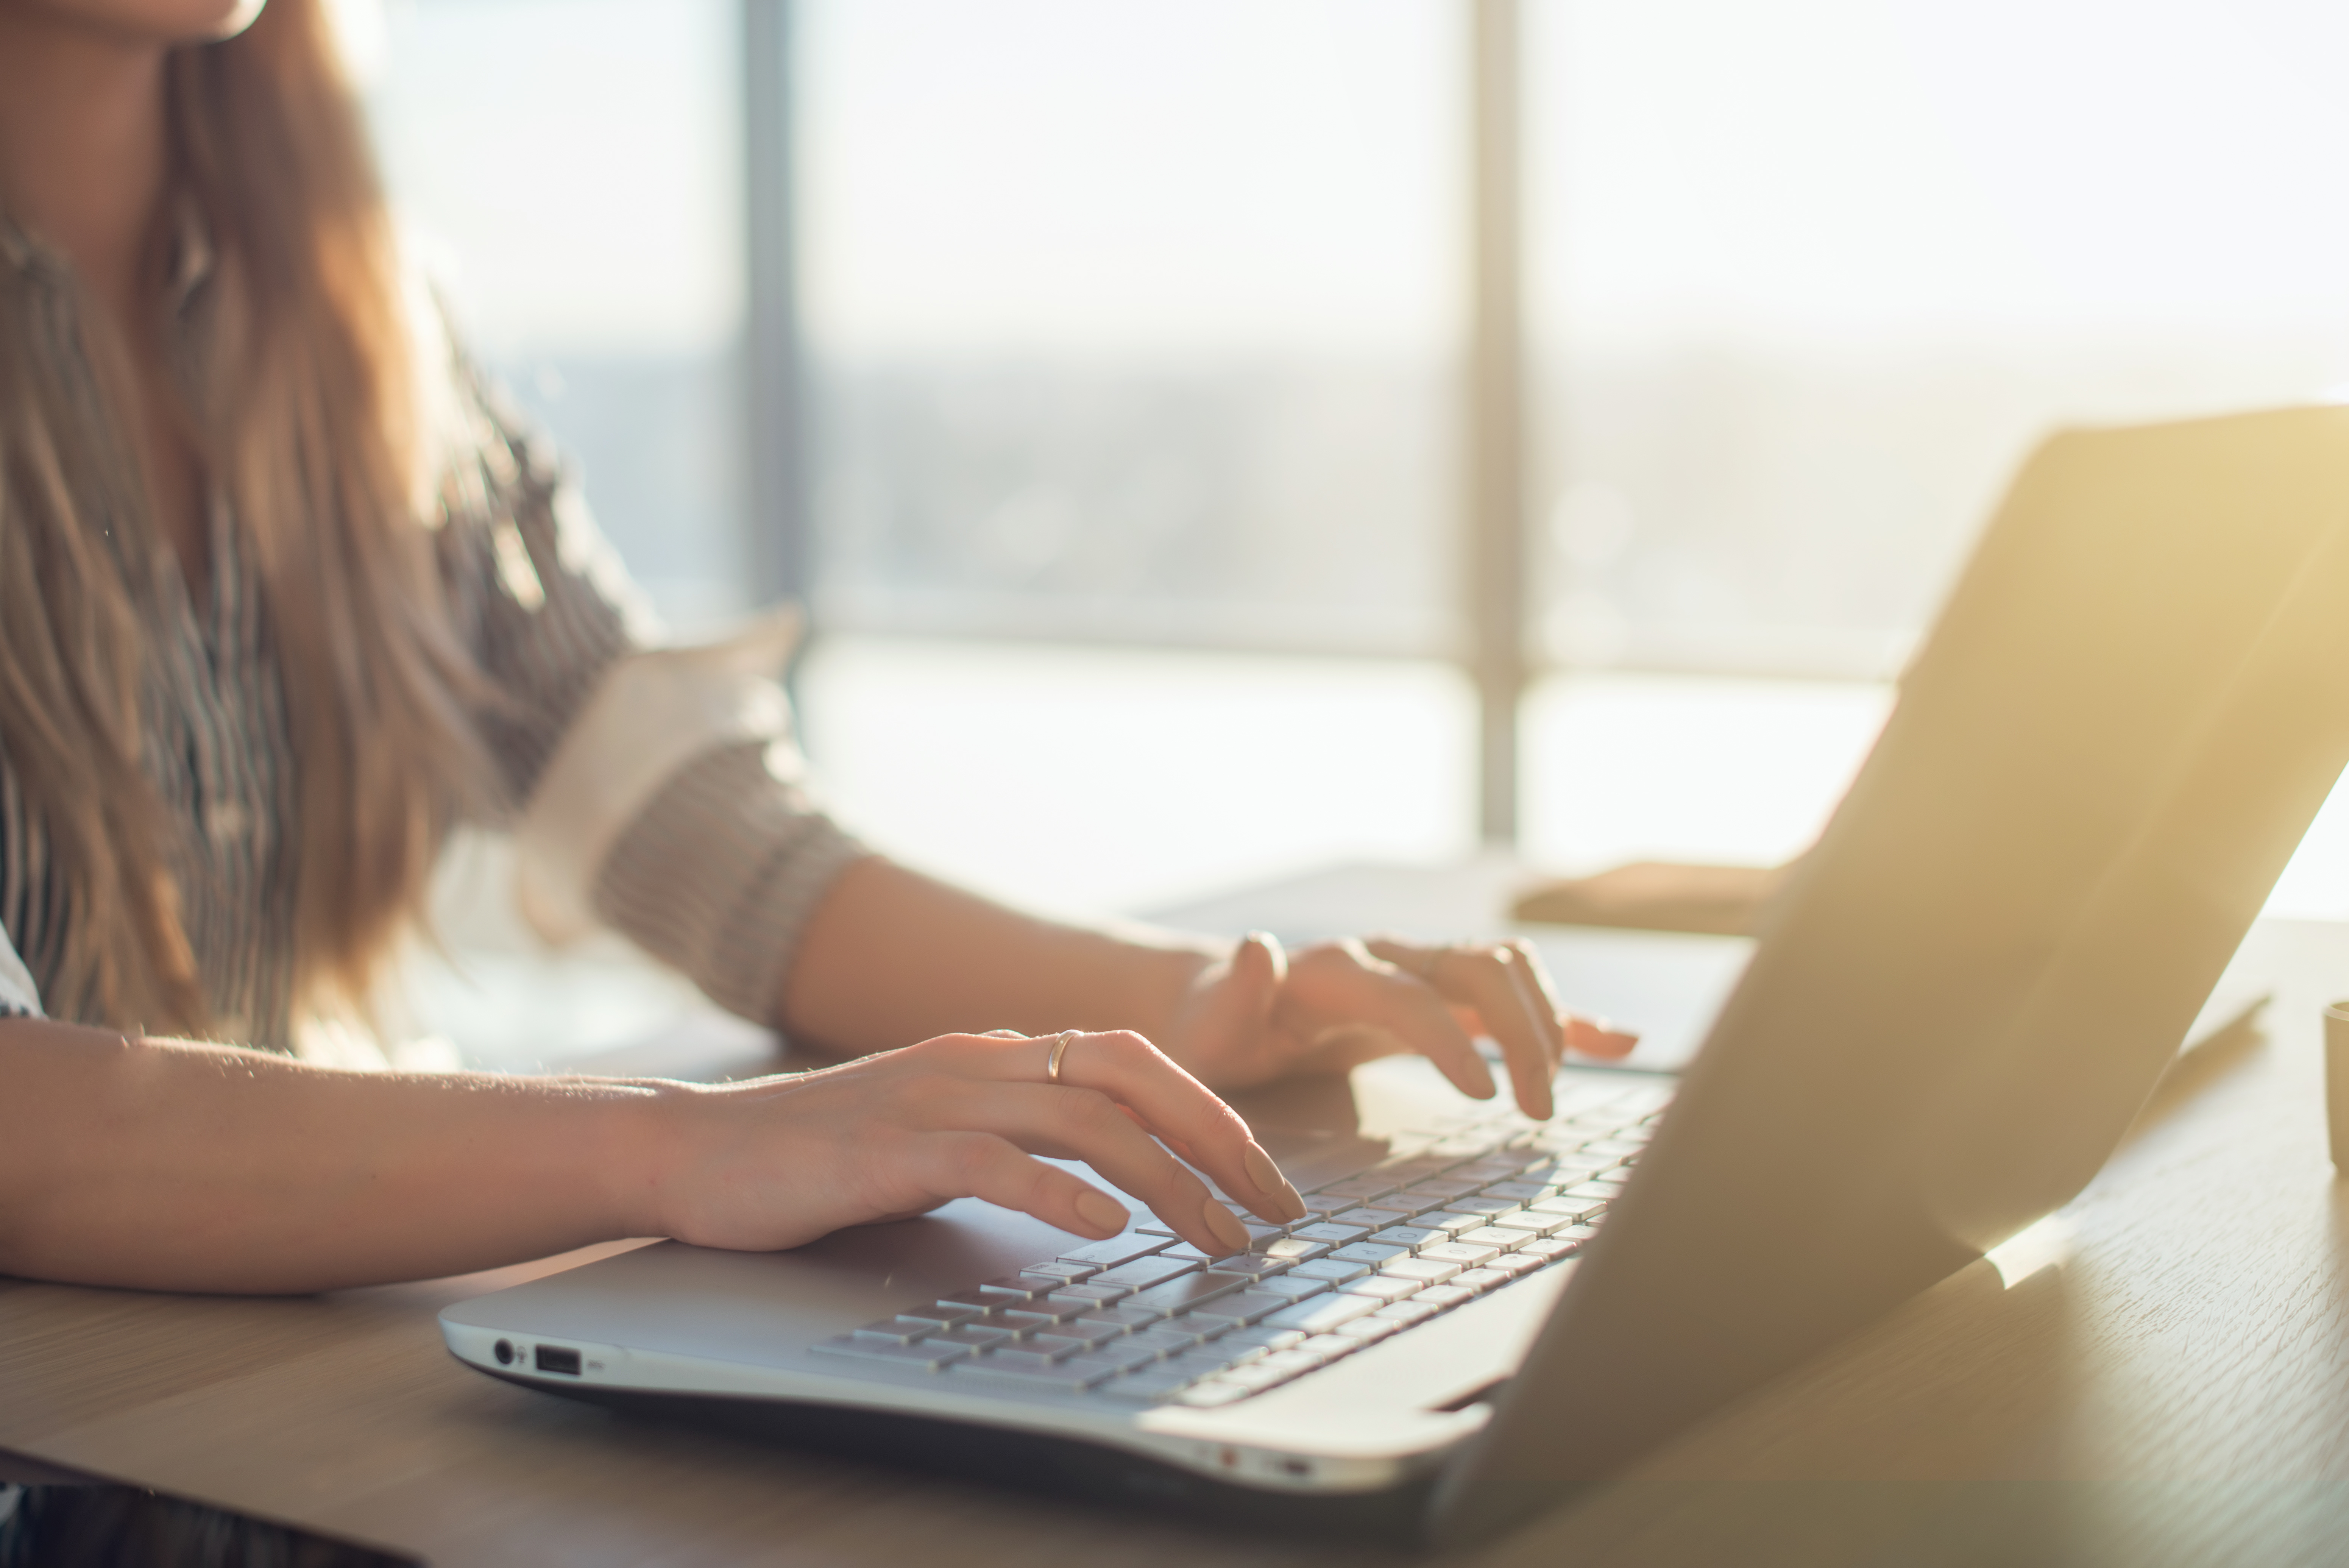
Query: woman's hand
x=778, y=1161
x=1261, y=1014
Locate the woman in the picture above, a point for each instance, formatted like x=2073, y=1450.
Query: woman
x=285, y=593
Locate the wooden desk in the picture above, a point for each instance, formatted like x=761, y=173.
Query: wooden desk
x=2177, y=1393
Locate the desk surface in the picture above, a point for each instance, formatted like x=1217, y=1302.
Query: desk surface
x=2179, y=1392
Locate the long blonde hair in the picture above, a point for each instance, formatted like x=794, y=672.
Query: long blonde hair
x=311, y=417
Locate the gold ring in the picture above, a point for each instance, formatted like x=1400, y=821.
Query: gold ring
x=1060, y=1049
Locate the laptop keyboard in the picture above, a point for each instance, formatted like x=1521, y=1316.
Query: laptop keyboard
x=1145, y=1318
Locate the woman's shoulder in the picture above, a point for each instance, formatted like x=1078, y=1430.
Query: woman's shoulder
x=490, y=452
x=516, y=532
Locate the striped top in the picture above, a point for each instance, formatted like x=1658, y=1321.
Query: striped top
x=714, y=873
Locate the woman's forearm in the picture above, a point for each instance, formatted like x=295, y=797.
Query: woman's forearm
x=172, y=1166
x=198, y=1167
x=892, y=956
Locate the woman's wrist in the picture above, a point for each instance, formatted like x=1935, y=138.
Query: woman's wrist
x=637, y=1129
x=890, y=957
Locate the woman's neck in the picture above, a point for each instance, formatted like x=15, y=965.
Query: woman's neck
x=82, y=144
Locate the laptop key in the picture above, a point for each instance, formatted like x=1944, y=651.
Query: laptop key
x=1255, y=1265
x=1143, y=1272
x=1369, y=1252
x=1440, y=1191
x=1450, y=1223
x=1479, y=1280
x=1485, y=1206
x=1336, y=1235
x=1125, y=1357
x=1117, y=1249
x=1091, y=1332
x=1367, y=1329
x=1123, y=1319
x=1048, y=1314
x=973, y=1336
x=1407, y=1237
x=941, y=1316
x=1563, y=1169
x=1421, y=1271
x=1518, y=1191
x=1062, y=1378
x=1019, y=1287
x=1384, y=1288
x=1330, y=1270
x=1247, y=1343
x=1297, y=1284
x=1322, y=1313
x=1100, y=1295
x=1397, y=1206
x=1548, y=1247
x=1466, y=1256
x=1500, y=1239
x=1189, y=1291
x=1202, y=1363
x=1358, y=1188
x=1530, y=1222
x=1368, y=1219
x=1037, y=1350
x=1189, y=1253
x=928, y=1354
x=1408, y=1312
x=1163, y=1341
x=1236, y=1311
x=1148, y=1388
x=1291, y=1249
x=1515, y=1263
x=1444, y=1296
x=897, y=1330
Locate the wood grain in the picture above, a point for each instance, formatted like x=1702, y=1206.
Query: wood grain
x=2177, y=1393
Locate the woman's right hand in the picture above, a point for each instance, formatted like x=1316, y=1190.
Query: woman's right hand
x=778, y=1161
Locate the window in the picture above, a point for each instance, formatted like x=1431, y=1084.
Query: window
x=1811, y=276
x=575, y=169
x=1135, y=321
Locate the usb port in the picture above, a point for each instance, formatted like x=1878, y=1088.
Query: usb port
x=551, y=1359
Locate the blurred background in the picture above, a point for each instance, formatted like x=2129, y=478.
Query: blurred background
x=1094, y=369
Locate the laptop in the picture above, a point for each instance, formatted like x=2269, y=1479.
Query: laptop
x=2129, y=710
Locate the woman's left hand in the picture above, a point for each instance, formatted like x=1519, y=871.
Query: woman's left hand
x=1261, y=1014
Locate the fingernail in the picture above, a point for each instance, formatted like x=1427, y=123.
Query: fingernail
x=1226, y=1230
x=1270, y=1182
x=1101, y=1211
